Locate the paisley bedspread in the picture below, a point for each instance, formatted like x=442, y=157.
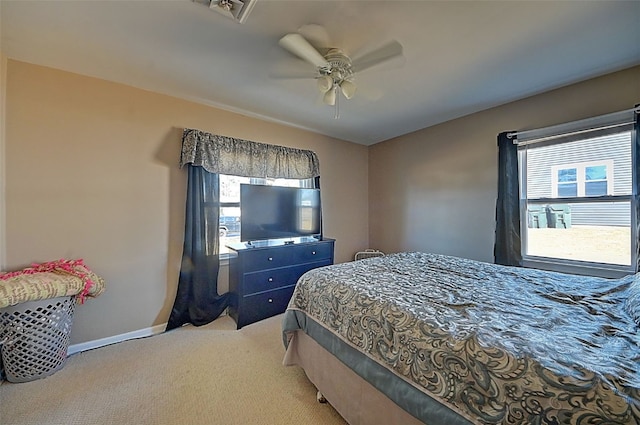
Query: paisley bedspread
x=490, y=344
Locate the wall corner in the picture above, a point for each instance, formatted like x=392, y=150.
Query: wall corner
x=3, y=179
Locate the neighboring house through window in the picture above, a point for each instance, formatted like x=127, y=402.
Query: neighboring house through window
x=577, y=201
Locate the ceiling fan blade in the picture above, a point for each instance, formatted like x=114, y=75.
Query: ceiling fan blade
x=387, y=52
x=293, y=75
x=292, y=69
x=316, y=35
x=300, y=47
x=369, y=93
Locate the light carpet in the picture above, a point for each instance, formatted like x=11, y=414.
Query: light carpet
x=212, y=374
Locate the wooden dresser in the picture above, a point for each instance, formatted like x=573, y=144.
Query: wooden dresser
x=262, y=276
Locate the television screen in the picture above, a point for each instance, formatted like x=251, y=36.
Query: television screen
x=275, y=212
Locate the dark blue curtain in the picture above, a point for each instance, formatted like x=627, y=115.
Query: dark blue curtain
x=316, y=185
x=507, y=249
x=636, y=182
x=197, y=299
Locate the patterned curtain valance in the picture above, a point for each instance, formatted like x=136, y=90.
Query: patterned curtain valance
x=227, y=155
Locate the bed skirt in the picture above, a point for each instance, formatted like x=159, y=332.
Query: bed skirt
x=357, y=401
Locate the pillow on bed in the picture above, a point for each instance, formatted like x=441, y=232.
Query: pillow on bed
x=632, y=303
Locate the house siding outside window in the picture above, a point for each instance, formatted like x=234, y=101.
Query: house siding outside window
x=583, y=187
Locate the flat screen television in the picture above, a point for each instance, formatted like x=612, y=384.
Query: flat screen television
x=277, y=212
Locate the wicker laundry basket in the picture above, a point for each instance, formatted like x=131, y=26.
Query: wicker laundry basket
x=35, y=337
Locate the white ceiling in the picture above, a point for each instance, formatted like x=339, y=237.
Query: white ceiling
x=460, y=57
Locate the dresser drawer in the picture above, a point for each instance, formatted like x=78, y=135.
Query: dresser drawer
x=263, y=278
x=266, y=280
x=261, y=259
x=265, y=304
x=322, y=251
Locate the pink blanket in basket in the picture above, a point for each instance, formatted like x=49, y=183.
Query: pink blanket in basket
x=49, y=280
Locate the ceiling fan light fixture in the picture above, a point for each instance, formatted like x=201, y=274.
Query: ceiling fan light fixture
x=325, y=83
x=348, y=89
x=329, y=97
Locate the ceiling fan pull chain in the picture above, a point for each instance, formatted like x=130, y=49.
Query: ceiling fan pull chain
x=337, y=108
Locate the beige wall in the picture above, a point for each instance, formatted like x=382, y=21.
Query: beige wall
x=91, y=172
x=3, y=91
x=434, y=190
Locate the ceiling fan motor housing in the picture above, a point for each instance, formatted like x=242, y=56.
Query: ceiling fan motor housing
x=339, y=68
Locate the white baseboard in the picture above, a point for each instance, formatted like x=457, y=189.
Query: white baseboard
x=141, y=333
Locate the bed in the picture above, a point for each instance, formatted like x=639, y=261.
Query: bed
x=413, y=338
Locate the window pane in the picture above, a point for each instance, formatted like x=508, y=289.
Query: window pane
x=229, y=223
x=592, y=232
x=567, y=175
x=567, y=190
x=230, y=187
x=550, y=164
x=595, y=188
x=596, y=232
x=596, y=173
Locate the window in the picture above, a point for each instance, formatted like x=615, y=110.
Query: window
x=229, y=225
x=583, y=179
x=567, y=182
x=576, y=199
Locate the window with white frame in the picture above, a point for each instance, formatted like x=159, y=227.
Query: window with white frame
x=593, y=178
x=229, y=222
x=577, y=205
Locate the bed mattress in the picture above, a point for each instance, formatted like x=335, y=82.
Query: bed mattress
x=456, y=341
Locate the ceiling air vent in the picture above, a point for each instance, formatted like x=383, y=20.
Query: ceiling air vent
x=238, y=10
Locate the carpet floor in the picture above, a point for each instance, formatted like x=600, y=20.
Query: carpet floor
x=212, y=374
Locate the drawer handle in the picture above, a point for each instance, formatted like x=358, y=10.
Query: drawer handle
x=313, y=252
x=270, y=300
x=270, y=279
x=270, y=258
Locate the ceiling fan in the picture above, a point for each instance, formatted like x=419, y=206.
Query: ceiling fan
x=335, y=70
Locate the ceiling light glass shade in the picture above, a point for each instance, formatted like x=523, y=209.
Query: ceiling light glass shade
x=348, y=89
x=329, y=97
x=325, y=83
